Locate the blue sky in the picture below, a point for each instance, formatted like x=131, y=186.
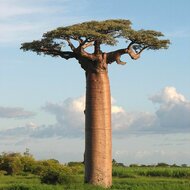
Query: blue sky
x=42, y=98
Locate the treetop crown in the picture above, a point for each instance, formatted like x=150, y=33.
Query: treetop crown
x=96, y=33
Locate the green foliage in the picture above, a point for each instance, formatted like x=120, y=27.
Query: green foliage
x=128, y=183
x=103, y=31
x=146, y=38
x=11, y=163
x=134, y=172
x=72, y=164
x=50, y=174
x=98, y=32
x=76, y=167
x=57, y=176
x=28, y=163
x=162, y=165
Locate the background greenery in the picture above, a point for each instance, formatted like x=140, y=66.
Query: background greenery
x=22, y=172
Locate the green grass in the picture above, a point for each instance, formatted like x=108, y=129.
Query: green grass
x=125, y=178
x=175, y=172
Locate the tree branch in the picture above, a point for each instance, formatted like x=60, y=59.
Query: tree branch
x=87, y=55
x=64, y=54
x=115, y=56
x=67, y=54
x=88, y=44
x=143, y=49
x=70, y=44
x=97, y=47
x=132, y=53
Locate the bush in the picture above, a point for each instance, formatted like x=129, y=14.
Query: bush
x=11, y=163
x=28, y=163
x=57, y=176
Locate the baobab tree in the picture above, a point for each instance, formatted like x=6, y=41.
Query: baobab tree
x=78, y=37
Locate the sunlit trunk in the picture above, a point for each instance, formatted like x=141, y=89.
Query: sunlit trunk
x=98, y=138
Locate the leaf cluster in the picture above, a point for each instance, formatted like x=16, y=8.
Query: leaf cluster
x=46, y=45
x=146, y=39
x=96, y=33
x=105, y=32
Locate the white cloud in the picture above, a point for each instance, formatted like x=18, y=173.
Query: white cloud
x=69, y=116
x=173, y=113
x=168, y=94
x=17, y=112
x=117, y=109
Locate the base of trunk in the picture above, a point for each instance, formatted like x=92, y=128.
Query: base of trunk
x=98, y=140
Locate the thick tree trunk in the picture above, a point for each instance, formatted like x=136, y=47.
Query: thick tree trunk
x=98, y=135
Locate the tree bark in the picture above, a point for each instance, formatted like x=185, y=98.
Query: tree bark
x=98, y=133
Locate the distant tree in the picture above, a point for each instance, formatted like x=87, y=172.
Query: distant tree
x=184, y=165
x=162, y=164
x=78, y=37
x=174, y=165
x=75, y=164
x=115, y=163
x=133, y=165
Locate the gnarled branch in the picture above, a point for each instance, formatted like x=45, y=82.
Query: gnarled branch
x=115, y=56
x=97, y=47
x=85, y=54
x=134, y=54
x=88, y=44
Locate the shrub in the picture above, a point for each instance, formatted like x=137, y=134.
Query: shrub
x=11, y=163
x=57, y=176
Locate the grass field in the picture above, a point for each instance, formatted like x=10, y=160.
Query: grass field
x=125, y=178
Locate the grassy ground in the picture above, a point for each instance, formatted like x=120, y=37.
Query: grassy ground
x=137, y=178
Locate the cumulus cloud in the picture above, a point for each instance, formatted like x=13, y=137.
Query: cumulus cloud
x=17, y=112
x=173, y=112
x=168, y=94
x=69, y=116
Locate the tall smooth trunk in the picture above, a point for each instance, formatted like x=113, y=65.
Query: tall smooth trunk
x=98, y=133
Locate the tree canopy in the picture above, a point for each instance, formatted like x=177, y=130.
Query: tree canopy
x=96, y=33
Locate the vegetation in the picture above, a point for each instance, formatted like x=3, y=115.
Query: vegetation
x=33, y=174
